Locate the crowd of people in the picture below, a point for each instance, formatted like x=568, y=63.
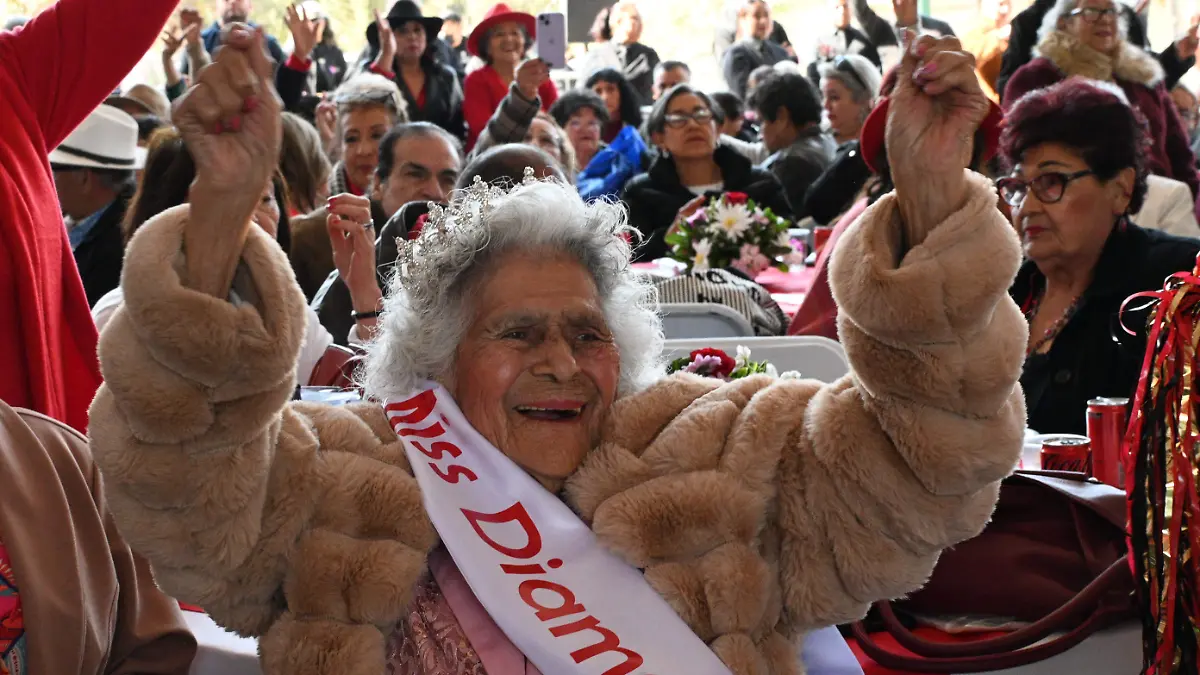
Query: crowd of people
x=177, y=263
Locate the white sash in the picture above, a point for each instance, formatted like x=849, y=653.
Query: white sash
x=568, y=604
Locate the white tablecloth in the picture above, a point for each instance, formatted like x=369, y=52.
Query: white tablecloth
x=221, y=652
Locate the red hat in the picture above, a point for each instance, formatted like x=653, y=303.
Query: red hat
x=499, y=13
x=874, y=131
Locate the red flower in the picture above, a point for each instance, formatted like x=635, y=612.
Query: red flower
x=736, y=197
x=727, y=361
x=418, y=226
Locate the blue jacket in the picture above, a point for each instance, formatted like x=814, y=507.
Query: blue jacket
x=211, y=37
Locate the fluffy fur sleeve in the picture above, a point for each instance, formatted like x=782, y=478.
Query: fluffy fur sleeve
x=760, y=509
x=295, y=522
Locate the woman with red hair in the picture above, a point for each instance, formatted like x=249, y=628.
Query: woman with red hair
x=1078, y=152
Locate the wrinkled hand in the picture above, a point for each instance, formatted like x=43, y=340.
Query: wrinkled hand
x=352, y=235
x=306, y=31
x=191, y=24
x=386, y=59
x=906, y=12
x=230, y=120
x=935, y=109
x=1186, y=46
x=530, y=76
x=326, y=119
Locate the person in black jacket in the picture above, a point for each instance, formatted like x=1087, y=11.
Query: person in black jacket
x=691, y=164
x=404, y=48
x=94, y=175
x=753, y=49
x=843, y=39
x=789, y=109
x=1176, y=60
x=637, y=60
x=1080, y=170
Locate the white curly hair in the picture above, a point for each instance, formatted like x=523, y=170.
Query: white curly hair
x=428, y=310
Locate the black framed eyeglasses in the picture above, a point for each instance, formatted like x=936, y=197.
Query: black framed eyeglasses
x=702, y=116
x=1093, y=14
x=844, y=65
x=1048, y=187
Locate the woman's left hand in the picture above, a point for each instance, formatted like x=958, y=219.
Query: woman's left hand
x=352, y=235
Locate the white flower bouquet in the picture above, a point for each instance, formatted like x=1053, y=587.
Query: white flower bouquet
x=731, y=231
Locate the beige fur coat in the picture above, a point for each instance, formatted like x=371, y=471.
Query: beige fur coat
x=759, y=509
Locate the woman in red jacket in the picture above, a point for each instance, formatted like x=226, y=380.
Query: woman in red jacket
x=1083, y=38
x=501, y=39
x=47, y=339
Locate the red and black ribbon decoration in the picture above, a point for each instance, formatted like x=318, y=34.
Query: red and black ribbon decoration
x=1161, y=461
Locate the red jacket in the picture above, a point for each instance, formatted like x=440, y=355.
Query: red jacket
x=483, y=90
x=53, y=73
x=1141, y=78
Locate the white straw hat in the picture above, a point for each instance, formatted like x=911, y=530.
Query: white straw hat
x=106, y=139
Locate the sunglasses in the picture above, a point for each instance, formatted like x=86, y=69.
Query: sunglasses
x=1093, y=14
x=679, y=120
x=843, y=65
x=1048, y=187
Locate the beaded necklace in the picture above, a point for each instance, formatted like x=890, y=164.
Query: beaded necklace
x=1055, y=328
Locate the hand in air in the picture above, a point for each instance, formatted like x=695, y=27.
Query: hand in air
x=352, y=235
x=530, y=76
x=230, y=120
x=306, y=31
x=386, y=60
x=935, y=108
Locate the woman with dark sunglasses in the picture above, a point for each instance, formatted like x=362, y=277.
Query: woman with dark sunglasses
x=1085, y=38
x=691, y=167
x=1079, y=169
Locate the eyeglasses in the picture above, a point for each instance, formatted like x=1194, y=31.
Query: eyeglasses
x=1093, y=14
x=1048, y=187
x=679, y=120
x=577, y=124
x=844, y=65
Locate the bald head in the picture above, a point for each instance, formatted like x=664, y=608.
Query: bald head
x=506, y=164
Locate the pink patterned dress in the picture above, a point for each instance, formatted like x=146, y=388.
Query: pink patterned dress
x=12, y=622
x=447, y=631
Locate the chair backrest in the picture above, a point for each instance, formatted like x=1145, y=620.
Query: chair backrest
x=684, y=320
x=335, y=368
x=816, y=358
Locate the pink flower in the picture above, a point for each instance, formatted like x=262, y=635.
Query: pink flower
x=751, y=260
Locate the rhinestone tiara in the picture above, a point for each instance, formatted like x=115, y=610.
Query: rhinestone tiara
x=466, y=212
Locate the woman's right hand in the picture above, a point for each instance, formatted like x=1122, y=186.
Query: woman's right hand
x=230, y=121
x=306, y=31
x=686, y=211
x=933, y=114
x=530, y=76
x=385, y=61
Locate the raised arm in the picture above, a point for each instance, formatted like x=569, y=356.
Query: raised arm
x=761, y=509
x=72, y=55
x=515, y=113
x=247, y=505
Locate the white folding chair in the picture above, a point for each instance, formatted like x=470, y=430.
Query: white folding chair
x=702, y=320
x=812, y=356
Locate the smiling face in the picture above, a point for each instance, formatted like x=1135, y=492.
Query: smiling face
x=1095, y=25
x=1077, y=225
x=506, y=44
x=411, y=42
x=537, y=370
x=362, y=128
x=693, y=139
x=845, y=116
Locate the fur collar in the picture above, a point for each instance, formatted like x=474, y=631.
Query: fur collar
x=1077, y=59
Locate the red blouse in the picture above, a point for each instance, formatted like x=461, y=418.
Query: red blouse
x=483, y=90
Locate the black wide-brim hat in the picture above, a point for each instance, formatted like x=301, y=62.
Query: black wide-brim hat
x=401, y=13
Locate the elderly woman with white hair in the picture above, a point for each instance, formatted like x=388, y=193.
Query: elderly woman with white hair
x=849, y=87
x=525, y=491
x=1086, y=38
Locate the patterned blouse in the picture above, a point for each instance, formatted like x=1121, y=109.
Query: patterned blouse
x=12, y=624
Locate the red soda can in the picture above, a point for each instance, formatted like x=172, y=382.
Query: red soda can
x=1067, y=453
x=1106, y=430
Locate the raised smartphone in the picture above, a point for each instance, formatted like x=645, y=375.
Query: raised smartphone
x=552, y=39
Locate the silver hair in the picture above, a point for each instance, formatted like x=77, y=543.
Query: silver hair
x=1062, y=8
x=426, y=313
x=370, y=89
x=864, y=91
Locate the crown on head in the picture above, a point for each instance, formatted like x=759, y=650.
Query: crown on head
x=462, y=217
